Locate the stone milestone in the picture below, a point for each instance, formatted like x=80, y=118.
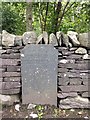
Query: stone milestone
x=39, y=74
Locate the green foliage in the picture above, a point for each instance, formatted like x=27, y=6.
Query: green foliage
x=40, y=109
x=13, y=19
x=76, y=17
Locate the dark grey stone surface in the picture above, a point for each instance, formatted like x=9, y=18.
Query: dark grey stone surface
x=39, y=74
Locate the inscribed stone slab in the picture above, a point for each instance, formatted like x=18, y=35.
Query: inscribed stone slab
x=39, y=74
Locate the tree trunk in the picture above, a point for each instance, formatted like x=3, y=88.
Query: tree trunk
x=29, y=26
x=47, y=5
x=58, y=10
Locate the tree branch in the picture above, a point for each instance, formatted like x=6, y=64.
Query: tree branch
x=63, y=12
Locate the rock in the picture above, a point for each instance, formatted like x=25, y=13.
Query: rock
x=2, y=51
x=81, y=51
x=66, y=41
x=31, y=106
x=73, y=38
x=75, y=102
x=29, y=38
x=53, y=39
x=45, y=37
x=39, y=39
x=9, y=99
x=73, y=48
x=80, y=112
x=42, y=37
x=86, y=117
x=59, y=37
x=84, y=39
x=0, y=39
x=86, y=57
x=64, y=61
x=33, y=115
x=18, y=41
x=17, y=106
x=7, y=39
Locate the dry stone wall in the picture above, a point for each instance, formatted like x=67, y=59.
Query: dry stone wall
x=73, y=68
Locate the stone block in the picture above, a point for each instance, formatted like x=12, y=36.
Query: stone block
x=9, y=85
x=10, y=61
x=65, y=95
x=11, y=74
x=74, y=88
x=13, y=68
x=15, y=56
x=12, y=79
x=10, y=91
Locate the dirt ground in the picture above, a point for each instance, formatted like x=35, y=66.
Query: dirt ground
x=43, y=111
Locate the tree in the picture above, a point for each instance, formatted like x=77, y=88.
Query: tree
x=46, y=16
x=29, y=26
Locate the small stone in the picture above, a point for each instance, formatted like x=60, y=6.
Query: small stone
x=33, y=115
x=80, y=113
x=86, y=57
x=86, y=117
x=63, y=61
x=17, y=106
x=72, y=110
x=26, y=117
x=31, y=106
x=81, y=51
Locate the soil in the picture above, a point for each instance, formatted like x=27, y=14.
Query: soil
x=43, y=111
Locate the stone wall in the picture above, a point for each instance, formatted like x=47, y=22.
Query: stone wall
x=73, y=70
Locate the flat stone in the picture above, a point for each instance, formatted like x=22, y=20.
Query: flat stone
x=53, y=39
x=84, y=39
x=10, y=61
x=13, y=68
x=12, y=79
x=9, y=99
x=11, y=74
x=9, y=85
x=45, y=37
x=64, y=95
x=66, y=40
x=73, y=37
x=74, y=88
x=59, y=37
x=10, y=91
x=39, y=74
